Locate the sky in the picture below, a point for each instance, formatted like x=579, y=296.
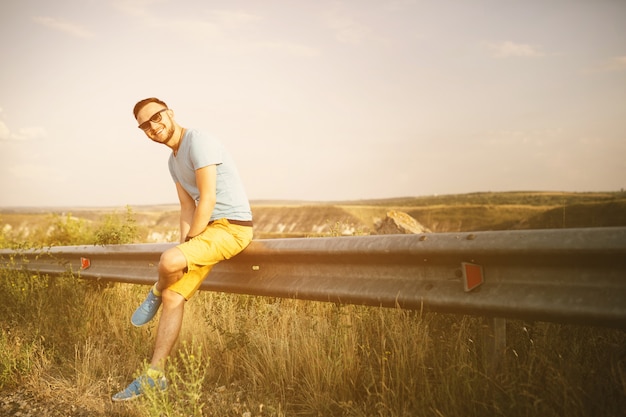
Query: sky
x=316, y=100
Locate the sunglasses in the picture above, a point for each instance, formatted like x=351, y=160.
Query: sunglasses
x=156, y=118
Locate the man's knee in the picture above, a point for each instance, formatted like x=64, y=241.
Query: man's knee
x=172, y=261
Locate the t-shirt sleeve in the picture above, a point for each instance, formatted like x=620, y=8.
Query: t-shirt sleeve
x=170, y=165
x=205, y=151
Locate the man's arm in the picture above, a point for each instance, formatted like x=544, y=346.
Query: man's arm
x=187, y=210
x=206, y=180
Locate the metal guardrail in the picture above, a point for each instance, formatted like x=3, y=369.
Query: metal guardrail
x=562, y=275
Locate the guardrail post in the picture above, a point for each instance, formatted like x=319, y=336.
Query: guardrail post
x=494, y=343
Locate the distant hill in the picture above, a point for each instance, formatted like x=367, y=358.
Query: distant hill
x=445, y=213
x=450, y=213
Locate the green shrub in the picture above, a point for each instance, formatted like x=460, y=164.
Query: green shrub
x=68, y=230
x=115, y=230
x=185, y=396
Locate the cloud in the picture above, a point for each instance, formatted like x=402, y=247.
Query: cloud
x=507, y=49
x=290, y=48
x=347, y=30
x=23, y=134
x=234, y=18
x=138, y=8
x=536, y=139
x=214, y=25
x=615, y=64
x=220, y=30
x=64, y=26
x=204, y=24
x=30, y=171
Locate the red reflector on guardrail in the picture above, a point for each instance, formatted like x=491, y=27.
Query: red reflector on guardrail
x=85, y=263
x=472, y=275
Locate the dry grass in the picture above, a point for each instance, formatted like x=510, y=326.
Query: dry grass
x=276, y=357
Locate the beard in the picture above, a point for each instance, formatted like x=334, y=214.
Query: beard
x=164, y=136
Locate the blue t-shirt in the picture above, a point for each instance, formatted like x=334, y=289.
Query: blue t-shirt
x=198, y=150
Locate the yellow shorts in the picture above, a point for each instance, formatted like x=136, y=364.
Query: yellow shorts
x=220, y=240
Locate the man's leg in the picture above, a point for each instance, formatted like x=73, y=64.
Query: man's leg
x=214, y=245
x=171, y=267
x=169, y=327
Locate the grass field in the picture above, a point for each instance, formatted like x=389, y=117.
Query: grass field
x=68, y=345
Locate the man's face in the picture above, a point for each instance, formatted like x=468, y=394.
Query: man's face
x=156, y=122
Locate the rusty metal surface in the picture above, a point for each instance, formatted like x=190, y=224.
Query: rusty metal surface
x=563, y=275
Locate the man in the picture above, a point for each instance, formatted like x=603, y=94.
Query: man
x=215, y=224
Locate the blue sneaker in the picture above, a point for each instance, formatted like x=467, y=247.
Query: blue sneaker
x=136, y=388
x=146, y=311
